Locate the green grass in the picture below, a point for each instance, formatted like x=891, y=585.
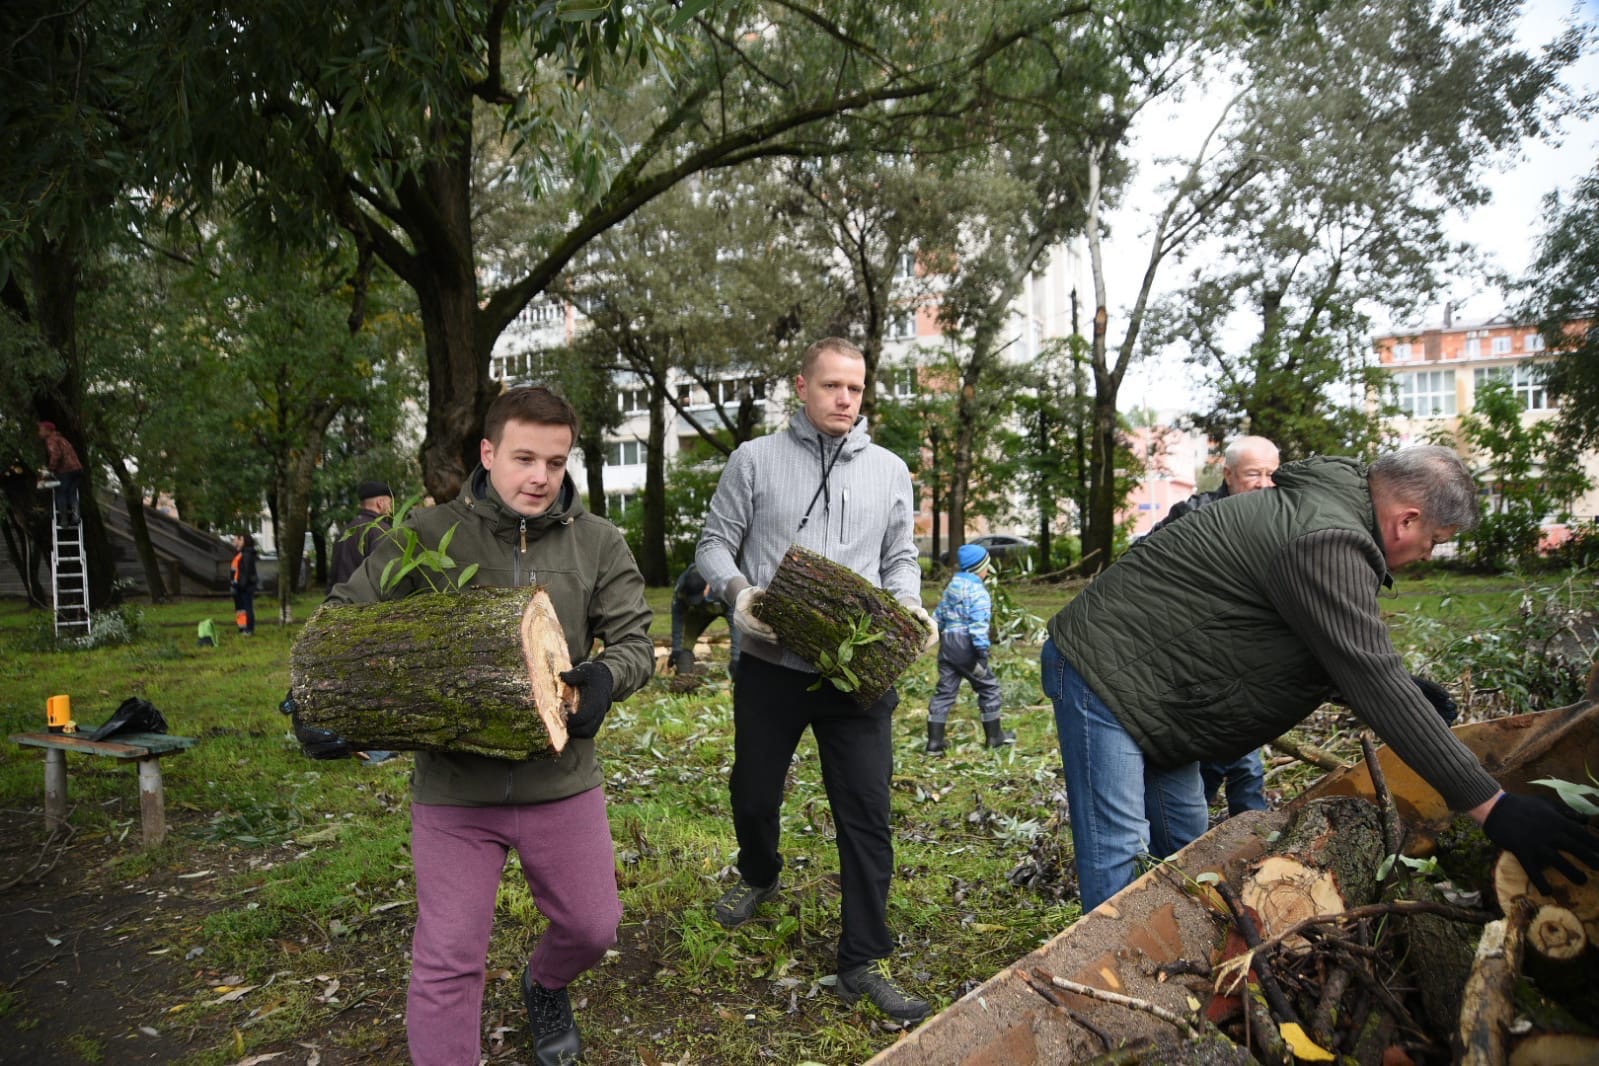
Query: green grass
x=318, y=878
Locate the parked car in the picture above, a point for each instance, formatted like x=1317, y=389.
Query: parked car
x=1001, y=546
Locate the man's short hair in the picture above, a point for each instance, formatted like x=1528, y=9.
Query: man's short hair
x=1239, y=445
x=1433, y=478
x=835, y=345
x=528, y=403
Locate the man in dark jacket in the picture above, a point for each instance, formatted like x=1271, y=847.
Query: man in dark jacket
x=362, y=534
x=1276, y=609
x=61, y=459
x=519, y=519
x=694, y=609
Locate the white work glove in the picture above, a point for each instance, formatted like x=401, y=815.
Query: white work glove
x=927, y=620
x=744, y=613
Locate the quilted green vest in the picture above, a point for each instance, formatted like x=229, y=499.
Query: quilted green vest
x=1180, y=637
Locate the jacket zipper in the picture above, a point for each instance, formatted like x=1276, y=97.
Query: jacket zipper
x=843, y=513
x=521, y=553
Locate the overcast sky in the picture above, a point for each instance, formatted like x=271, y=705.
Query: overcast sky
x=1505, y=229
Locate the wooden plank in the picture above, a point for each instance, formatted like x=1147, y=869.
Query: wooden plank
x=128, y=746
x=152, y=804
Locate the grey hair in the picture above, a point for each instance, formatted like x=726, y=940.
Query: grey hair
x=1432, y=478
x=1239, y=445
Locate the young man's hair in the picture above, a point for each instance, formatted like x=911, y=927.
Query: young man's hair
x=834, y=345
x=1432, y=478
x=528, y=403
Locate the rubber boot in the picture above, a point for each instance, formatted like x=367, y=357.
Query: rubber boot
x=996, y=736
x=935, y=738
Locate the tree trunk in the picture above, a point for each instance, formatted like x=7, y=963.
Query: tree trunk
x=652, y=561
x=816, y=605
x=475, y=671
x=134, y=501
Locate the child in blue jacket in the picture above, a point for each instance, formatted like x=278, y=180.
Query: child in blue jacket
x=963, y=615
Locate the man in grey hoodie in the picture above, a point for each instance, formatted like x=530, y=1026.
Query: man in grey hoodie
x=820, y=483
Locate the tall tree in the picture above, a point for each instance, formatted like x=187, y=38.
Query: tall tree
x=1561, y=294
x=1349, y=177
x=366, y=116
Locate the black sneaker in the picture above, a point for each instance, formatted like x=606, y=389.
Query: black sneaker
x=556, y=1041
x=738, y=903
x=873, y=981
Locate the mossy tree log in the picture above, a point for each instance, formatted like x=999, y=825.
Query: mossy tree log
x=475, y=671
x=818, y=607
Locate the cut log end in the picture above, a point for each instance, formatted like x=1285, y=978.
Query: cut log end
x=1555, y=1049
x=1557, y=934
x=1511, y=883
x=1284, y=891
x=544, y=648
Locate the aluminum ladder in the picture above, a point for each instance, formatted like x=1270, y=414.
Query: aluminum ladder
x=69, y=573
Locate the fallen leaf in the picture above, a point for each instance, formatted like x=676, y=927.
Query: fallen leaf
x=1300, y=1043
x=234, y=995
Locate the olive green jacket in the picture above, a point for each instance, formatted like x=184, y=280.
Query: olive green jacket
x=1224, y=630
x=598, y=594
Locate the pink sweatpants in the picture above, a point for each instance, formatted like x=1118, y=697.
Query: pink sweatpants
x=459, y=854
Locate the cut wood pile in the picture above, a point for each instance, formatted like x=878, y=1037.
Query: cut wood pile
x=856, y=634
x=476, y=672
x=1319, y=959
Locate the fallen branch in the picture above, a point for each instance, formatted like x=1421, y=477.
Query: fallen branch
x=1090, y=992
x=1393, y=829
x=1487, y=1007
x=1275, y=997
x=1308, y=753
x=1377, y=910
x=1054, y=1000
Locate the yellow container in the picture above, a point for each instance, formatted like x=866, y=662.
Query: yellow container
x=58, y=712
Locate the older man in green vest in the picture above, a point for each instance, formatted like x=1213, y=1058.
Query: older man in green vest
x=1226, y=629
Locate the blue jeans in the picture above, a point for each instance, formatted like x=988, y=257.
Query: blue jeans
x=1121, y=806
x=1246, y=782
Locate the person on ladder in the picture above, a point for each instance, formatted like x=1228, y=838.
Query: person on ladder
x=61, y=458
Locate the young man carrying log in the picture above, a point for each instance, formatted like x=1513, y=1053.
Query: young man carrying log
x=519, y=518
x=822, y=484
x=1278, y=610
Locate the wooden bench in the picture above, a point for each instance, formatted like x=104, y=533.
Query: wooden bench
x=145, y=749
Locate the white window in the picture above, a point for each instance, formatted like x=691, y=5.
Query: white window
x=633, y=401
x=906, y=267
x=1532, y=342
x=1526, y=382
x=626, y=453
x=729, y=392
x=617, y=504
x=1473, y=347
x=1425, y=393
x=902, y=326
x=512, y=368
x=897, y=383
x=1401, y=353
x=1501, y=346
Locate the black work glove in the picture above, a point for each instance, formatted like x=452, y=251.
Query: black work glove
x=316, y=742
x=593, y=683
x=1537, y=832
x=1439, y=697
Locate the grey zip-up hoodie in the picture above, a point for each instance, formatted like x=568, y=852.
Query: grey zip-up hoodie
x=842, y=497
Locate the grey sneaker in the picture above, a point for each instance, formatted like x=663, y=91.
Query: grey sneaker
x=738, y=903
x=873, y=981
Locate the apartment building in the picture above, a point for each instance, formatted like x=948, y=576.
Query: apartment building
x=1436, y=372
x=1047, y=308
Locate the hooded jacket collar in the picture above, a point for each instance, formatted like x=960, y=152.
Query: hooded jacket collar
x=478, y=496
x=855, y=441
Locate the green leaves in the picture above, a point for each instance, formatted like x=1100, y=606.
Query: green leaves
x=835, y=665
x=427, y=563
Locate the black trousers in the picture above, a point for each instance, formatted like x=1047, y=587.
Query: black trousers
x=771, y=709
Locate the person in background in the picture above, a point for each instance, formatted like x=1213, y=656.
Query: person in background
x=363, y=532
x=244, y=583
x=519, y=518
x=1278, y=611
x=61, y=459
x=963, y=616
x=693, y=609
x=822, y=484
